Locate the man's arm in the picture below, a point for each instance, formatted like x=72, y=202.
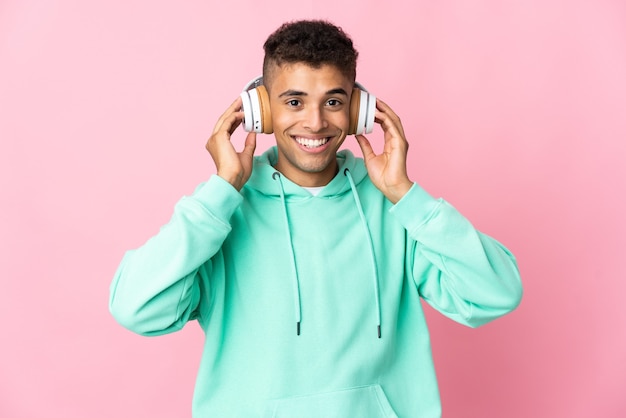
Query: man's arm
x=157, y=287
x=461, y=272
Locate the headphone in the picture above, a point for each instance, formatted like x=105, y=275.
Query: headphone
x=258, y=118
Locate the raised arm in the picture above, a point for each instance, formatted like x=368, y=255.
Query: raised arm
x=157, y=287
x=463, y=273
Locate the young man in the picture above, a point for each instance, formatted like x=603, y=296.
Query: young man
x=305, y=266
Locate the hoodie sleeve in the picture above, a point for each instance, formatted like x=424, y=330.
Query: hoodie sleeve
x=157, y=287
x=461, y=272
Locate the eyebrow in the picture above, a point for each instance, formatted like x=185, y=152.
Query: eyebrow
x=338, y=90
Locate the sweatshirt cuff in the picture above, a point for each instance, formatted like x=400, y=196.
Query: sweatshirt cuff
x=219, y=197
x=415, y=208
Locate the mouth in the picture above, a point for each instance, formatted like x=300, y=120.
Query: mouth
x=311, y=143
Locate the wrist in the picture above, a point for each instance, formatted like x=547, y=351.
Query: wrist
x=233, y=179
x=397, y=192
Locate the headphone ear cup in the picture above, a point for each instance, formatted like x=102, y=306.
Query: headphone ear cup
x=355, y=102
x=246, y=106
x=266, y=114
x=362, y=112
x=255, y=107
x=370, y=113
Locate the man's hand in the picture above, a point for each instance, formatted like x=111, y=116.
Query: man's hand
x=234, y=167
x=388, y=170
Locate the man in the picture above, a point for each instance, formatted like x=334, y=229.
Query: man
x=305, y=265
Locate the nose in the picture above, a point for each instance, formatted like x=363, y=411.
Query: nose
x=314, y=119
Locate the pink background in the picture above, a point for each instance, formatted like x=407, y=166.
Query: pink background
x=516, y=114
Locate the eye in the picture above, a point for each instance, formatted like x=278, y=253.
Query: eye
x=333, y=102
x=293, y=103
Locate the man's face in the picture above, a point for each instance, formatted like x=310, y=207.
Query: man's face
x=310, y=115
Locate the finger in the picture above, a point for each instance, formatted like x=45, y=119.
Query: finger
x=249, y=145
x=366, y=147
x=384, y=109
x=224, y=129
x=389, y=121
x=226, y=120
x=389, y=125
x=228, y=125
x=232, y=123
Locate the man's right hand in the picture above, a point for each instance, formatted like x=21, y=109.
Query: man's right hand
x=234, y=167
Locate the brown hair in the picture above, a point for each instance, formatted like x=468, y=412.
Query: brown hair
x=312, y=42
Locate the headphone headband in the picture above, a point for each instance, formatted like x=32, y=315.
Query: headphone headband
x=254, y=83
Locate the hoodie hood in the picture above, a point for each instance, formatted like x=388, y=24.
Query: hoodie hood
x=263, y=172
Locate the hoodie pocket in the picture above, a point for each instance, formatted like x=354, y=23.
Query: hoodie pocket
x=363, y=402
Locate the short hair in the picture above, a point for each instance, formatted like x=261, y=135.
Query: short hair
x=312, y=42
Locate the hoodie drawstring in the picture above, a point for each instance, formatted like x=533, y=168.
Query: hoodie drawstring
x=296, y=281
x=346, y=172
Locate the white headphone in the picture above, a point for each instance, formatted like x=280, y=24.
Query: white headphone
x=258, y=118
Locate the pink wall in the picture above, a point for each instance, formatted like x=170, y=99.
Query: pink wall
x=516, y=113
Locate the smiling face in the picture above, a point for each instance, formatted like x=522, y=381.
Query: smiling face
x=310, y=114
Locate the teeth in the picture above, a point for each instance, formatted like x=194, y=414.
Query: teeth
x=311, y=143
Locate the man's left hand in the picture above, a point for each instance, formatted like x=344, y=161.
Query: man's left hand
x=388, y=169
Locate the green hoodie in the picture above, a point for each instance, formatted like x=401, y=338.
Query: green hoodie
x=311, y=304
